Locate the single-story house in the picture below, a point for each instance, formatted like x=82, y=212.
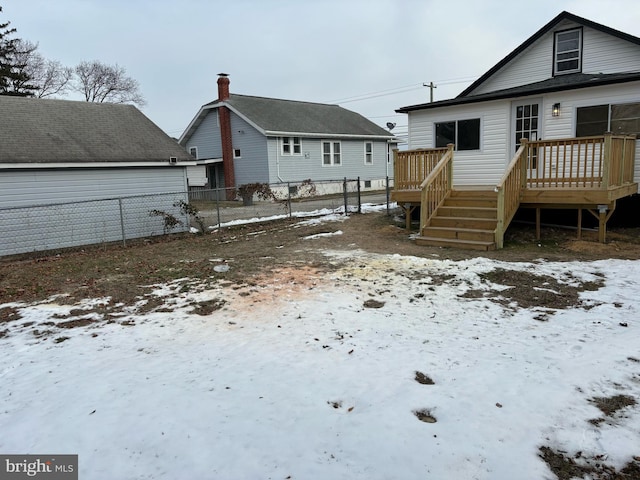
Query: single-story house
x=551, y=125
x=61, y=160
x=240, y=139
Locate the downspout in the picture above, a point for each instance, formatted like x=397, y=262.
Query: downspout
x=278, y=160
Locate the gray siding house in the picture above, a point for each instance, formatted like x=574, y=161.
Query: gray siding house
x=239, y=139
x=56, y=152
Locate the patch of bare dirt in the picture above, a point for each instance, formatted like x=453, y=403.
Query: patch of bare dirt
x=567, y=467
x=257, y=253
x=527, y=289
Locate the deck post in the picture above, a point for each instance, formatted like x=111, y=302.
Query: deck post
x=523, y=174
x=538, y=234
x=606, y=160
x=396, y=168
x=450, y=146
x=579, y=224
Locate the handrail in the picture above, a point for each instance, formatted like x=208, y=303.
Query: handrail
x=596, y=162
x=436, y=187
x=509, y=190
x=412, y=166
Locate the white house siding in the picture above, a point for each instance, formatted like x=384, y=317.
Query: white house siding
x=483, y=167
x=207, y=137
x=94, y=220
x=602, y=53
x=296, y=168
x=252, y=166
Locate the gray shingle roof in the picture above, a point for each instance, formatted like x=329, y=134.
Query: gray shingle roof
x=564, y=82
x=274, y=115
x=60, y=131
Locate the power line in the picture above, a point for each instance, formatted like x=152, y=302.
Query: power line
x=404, y=89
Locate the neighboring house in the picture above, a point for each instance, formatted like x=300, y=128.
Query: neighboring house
x=57, y=152
x=241, y=139
x=572, y=81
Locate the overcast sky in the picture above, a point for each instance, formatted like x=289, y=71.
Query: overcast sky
x=332, y=51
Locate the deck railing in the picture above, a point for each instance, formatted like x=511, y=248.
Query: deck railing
x=436, y=187
x=509, y=191
x=599, y=162
x=411, y=167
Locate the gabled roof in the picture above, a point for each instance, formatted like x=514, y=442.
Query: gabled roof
x=40, y=131
x=272, y=116
x=559, y=83
x=547, y=28
x=572, y=81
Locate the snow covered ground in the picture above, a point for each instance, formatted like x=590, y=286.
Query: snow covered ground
x=310, y=375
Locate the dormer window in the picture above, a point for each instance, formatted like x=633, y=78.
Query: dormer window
x=568, y=52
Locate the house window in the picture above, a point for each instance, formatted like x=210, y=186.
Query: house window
x=331, y=153
x=465, y=134
x=291, y=146
x=621, y=119
x=368, y=153
x=568, y=52
x=592, y=120
x=194, y=152
x=236, y=153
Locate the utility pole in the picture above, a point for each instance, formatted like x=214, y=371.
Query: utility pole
x=431, y=86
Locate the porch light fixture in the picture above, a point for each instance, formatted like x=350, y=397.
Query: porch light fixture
x=555, y=111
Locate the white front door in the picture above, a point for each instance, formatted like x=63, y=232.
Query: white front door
x=526, y=124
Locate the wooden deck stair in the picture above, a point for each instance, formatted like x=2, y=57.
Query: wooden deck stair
x=467, y=219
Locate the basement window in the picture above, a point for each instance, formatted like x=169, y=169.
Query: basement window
x=568, y=52
x=464, y=134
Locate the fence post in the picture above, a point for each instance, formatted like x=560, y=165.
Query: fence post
x=344, y=192
x=359, y=197
x=289, y=197
x=124, y=238
x=218, y=206
x=387, y=192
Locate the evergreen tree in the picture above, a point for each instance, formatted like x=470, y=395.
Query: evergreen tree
x=14, y=79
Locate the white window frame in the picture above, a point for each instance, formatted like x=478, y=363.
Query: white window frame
x=556, y=53
x=335, y=154
x=196, y=150
x=294, y=144
x=368, y=153
x=237, y=153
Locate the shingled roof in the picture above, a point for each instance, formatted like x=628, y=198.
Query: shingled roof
x=41, y=131
x=565, y=82
x=272, y=116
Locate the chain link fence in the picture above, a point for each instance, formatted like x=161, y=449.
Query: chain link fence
x=56, y=226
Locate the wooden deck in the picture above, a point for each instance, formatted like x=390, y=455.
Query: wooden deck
x=589, y=173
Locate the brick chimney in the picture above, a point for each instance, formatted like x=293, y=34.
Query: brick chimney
x=226, y=137
x=223, y=87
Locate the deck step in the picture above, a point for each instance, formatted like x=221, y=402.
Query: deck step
x=464, y=222
x=469, y=212
x=459, y=233
x=454, y=243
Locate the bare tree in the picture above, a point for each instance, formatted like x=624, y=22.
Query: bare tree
x=106, y=83
x=49, y=77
